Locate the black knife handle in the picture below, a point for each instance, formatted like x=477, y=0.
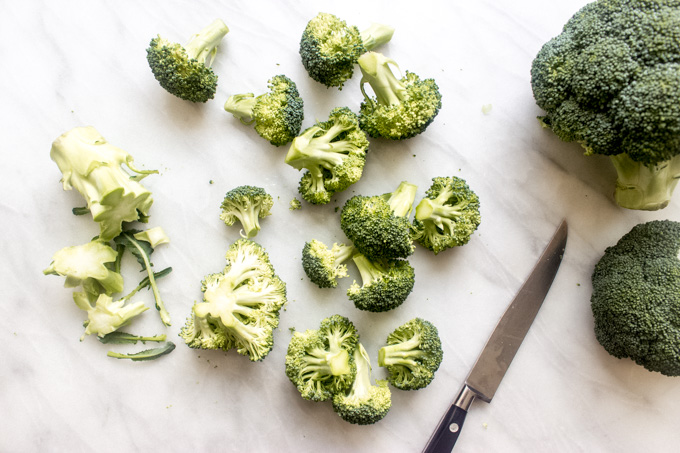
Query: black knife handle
x=445, y=436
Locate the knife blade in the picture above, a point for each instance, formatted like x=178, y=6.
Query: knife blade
x=495, y=358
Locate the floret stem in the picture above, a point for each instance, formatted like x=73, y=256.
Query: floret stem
x=241, y=106
x=343, y=252
x=401, y=200
x=369, y=270
x=249, y=220
x=309, y=150
x=644, y=187
x=401, y=353
x=388, y=89
x=203, y=45
x=376, y=35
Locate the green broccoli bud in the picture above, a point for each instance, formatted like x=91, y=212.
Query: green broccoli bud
x=324, y=265
x=385, y=284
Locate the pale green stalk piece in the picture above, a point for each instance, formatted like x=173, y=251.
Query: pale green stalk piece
x=106, y=315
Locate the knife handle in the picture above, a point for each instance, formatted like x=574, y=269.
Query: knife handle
x=445, y=436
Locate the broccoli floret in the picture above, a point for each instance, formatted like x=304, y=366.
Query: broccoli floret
x=636, y=297
x=325, y=265
x=87, y=265
x=185, y=71
x=247, y=204
x=412, y=355
x=402, y=108
x=276, y=115
x=378, y=225
x=385, y=284
x=333, y=152
x=447, y=216
x=93, y=167
x=609, y=82
x=320, y=363
x=329, y=48
x=106, y=315
x=364, y=403
x=241, y=304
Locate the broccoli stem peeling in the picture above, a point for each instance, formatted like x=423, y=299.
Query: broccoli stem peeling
x=203, y=45
x=644, y=187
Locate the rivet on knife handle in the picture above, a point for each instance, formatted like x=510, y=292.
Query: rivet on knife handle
x=445, y=436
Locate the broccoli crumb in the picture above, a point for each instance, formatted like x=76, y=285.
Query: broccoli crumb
x=295, y=204
x=486, y=109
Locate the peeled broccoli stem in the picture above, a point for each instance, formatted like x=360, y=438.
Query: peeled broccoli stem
x=645, y=187
x=442, y=215
x=203, y=45
x=241, y=106
x=376, y=35
x=403, y=353
x=401, y=200
x=388, y=89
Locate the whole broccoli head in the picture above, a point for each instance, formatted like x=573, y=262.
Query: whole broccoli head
x=184, y=71
x=402, y=107
x=447, y=216
x=378, y=225
x=636, y=297
x=93, y=167
x=241, y=304
x=277, y=114
x=332, y=152
x=610, y=82
x=329, y=48
x=385, y=284
x=247, y=204
x=412, y=355
x=320, y=362
x=325, y=265
x=364, y=403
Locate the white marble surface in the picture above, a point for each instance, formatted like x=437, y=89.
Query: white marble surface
x=74, y=63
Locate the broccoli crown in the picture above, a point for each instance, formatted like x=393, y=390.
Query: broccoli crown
x=385, y=284
x=184, y=71
x=241, y=304
x=325, y=265
x=636, y=297
x=329, y=49
x=247, y=204
x=378, y=225
x=277, y=114
x=332, y=152
x=447, y=216
x=364, y=403
x=609, y=81
x=93, y=167
x=412, y=355
x=402, y=108
x=320, y=362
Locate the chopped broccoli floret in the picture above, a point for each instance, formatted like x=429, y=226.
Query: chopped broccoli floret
x=447, y=216
x=241, y=304
x=378, y=225
x=333, y=152
x=636, y=297
x=364, y=403
x=247, y=204
x=185, y=71
x=93, y=167
x=412, y=355
x=106, y=315
x=294, y=204
x=320, y=363
x=385, y=284
x=86, y=265
x=325, y=265
x=277, y=114
x=402, y=108
x=609, y=81
x=329, y=48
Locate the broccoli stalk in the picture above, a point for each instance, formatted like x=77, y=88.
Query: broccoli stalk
x=401, y=200
x=376, y=35
x=645, y=187
x=202, y=46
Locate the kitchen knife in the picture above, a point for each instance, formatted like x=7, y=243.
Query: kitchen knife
x=494, y=360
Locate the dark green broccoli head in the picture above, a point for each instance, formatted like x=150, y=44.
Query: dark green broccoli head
x=247, y=204
x=184, y=71
x=402, y=108
x=447, y=216
x=277, y=114
x=325, y=265
x=385, y=284
x=636, y=297
x=320, y=363
x=412, y=355
x=609, y=82
x=378, y=225
x=332, y=152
